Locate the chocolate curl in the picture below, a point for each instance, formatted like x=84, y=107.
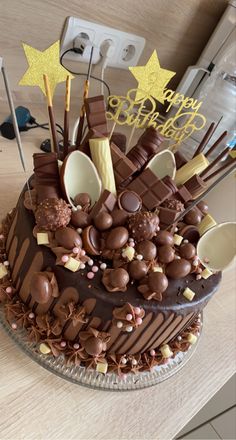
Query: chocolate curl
x=47, y=179
x=205, y=139
x=217, y=142
x=215, y=162
x=232, y=160
x=148, y=145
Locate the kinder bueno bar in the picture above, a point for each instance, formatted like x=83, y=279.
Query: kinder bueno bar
x=148, y=145
x=122, y=166
x=95, y=109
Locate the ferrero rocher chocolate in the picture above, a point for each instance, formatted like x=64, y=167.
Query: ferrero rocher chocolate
x=52, y=214
x=143, y=225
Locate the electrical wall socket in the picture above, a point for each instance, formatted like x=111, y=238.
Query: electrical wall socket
x=127, y=47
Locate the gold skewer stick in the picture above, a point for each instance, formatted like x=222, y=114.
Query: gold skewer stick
x=52, y=125
x=66, y=117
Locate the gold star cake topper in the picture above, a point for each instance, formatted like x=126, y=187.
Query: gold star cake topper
x=42, y=63
x=152, y=79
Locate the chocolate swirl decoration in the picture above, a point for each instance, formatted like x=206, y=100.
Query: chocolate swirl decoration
x=148, y=145
x=47, y=180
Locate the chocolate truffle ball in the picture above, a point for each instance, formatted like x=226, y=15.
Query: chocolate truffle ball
x=52, y=214
x=117, y=238
x=178, y=269
x=129, y=201
x=93, y=346
x=137, y=269
x=68, y=238
x=147, y=249
x=119, y=217
x=157, y=282
x=103, y=221
x=164, y=237
x=203, y=206
x=193, y=217
x=79, y=219
x=40, y=288
x=143, y=225
x=119, y=278
x=82, y=199
x=165, y=253
x=187, y=250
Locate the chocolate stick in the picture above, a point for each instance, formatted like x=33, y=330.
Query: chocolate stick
x=217, y=142
x=220, y=169
x=213, y=164
x=82, y=111
x=66, y=117
x=52, y=125
x=203, y=195
x=205, y=139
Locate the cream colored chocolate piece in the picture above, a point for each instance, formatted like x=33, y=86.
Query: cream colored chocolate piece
x=102, y=367
x=72, y=264
x=178, y=239
x=101, y=156
x=216, y=249
x=206, y=273
x=44, y=348
x=128, y=253
x=189, y=294
x=191, y=338
x=42, y=238
x=207, y=223
x=163, y=164
x=194, y=166
x=78, y=174
x=3, y=271
x=157, y=269
x=166, y=351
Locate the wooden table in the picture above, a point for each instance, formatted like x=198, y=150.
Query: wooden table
x=35, y=404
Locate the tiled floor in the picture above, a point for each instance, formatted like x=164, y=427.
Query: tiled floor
x=217, y=420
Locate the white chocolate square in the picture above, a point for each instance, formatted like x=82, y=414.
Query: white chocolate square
x=102, y=367
x=42, y=238
x=3, y=271
x=157, y=269
x=207, y=223
x=189, y=294
x=44, y=348
x=72, y=264
x=166, y=351
x=192, y=339
x=128, y=253
x=206, y=273
x=178, y=239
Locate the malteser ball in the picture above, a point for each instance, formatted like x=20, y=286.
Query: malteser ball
x=178, y=269
x=103, y=221
x=193, y=217
x=117, y=238
x=147, y=249
x=82, y=199
x=165, y=253
x=157, y=282
x=119, y=278
x=187, y=250
x=164, y=237
x=79, y=219
x=40, y=288
x=68, y=238
x=93, y=346
x=137, y=269
x=203, y=206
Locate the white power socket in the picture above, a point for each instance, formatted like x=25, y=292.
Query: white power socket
x=127, y=47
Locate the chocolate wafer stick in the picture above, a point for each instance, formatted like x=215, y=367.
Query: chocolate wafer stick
x=205, y=139
x=220, y=169
x=214, y=163
x=66, y=117
x=52, y=125
x=217, y=142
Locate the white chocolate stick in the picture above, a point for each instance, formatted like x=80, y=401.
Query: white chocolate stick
x=101, y=156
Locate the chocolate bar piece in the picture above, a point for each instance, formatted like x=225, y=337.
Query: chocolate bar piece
x=122, y=166
x=183, y=194
x=179, y=160
x=147, y=145
x=95, y=109
x=120, y=140
x=195, y=185
x=84, y=147
x=106, y=202
x=170, y=183
x=167, y=216
x=47, y=179
x=152, y=190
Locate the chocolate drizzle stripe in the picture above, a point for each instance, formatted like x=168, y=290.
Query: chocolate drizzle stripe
x=169, y=330
x=106, y=326
x=11, y=232
x=20, y=259
x=35, y=266
x=158, y=328
x=119, y=342
x=179, y=328
x=12, y=251
x=44, y=308
x=95, y=322
x=186, y=325
x=71, y=331
x=115, y=333
x=138, y=333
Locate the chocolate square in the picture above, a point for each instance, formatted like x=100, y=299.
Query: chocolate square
x=122, y=166
x=106, y=202
x=95, y=109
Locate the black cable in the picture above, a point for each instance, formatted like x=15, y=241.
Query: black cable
x=45, y=127
x=83, y=74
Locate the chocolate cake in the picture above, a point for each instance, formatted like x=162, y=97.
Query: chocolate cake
x=115, y=284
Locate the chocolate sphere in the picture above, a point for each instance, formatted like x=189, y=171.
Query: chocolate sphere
x=187, y=250
x=82, y=199
x=203, y=207
x=40, y=288
x=143, y=225
x=119, y=277
x=157, y=282
x=103, y=221
x=137, y=269
x=79, y=219
x=147, y=249
x=93, y=346
x=193, y=217
x=119, y=217
x=68, y=238
x=117, y=238
x=52, y=214
x=165, y=253
x=177, y=269
x=164, y=237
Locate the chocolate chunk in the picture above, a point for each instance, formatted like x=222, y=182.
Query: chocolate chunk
x=177, y=269
x=147, y=145
x=195, y=185
x=103, y=221
x=68, y=238
x=164, y=237
x=117, y=238
x=129, y=201
x=143, y=225
x=147, y=249
x=179, y=160
x=183, y=194
x=95, y=109
x=120, y=140
x=119, y=217
x=165, y=253
x=137, y=269
x=47, y=179
x=187, y=251
x=122, y=166
x=190, y=233
x=91, y=240
x=79, y=219
x=106, y=202
x=167, y=217
x=152, y=190
x=170, y=183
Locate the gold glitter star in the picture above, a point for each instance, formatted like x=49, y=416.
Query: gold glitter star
x=152, y=79
x=40, y=63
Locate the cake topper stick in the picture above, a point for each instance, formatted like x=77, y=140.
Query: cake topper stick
x=215, y=162
x=205, y=139
x=217, y=142
x=66, y=117
x=52, y=125
x=218, y=171
x=82, y=111
x=112, y=130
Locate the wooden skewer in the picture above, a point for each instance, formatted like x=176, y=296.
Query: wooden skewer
x=52, y=125
x=66, y=117
x=217, y=142
x=112, y=130
x=213, y=164
x=205, y=139
x=220, y=169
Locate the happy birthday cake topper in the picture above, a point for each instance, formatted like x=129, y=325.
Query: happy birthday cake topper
x=139, y=109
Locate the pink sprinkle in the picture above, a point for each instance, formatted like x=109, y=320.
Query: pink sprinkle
x=79, y=230
x=1, y=236
x=64, y=258
x=152, y=352
x=90, y=262
x=75, y=250
x=131, y=244
x=123, y=376
x=31, y=315
x=63, y=344
x=139, y=321
x=9, y=289
x=76, y=346
x=103, y=266
x=82, y=252
x=137, y=310
x=82, y=266
x=6, y=263
x=198, y=277
x=14, y=326
x=129, y=317
x=94, y=269
x=166, y=360
x=90, y=275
